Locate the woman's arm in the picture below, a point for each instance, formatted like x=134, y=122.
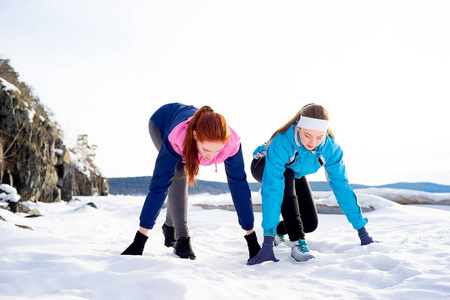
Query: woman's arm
x=338, y=181
x=163, y=173
x=272, y=188
x=240, y=191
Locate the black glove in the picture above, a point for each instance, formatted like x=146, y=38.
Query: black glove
x=137, y=246
x=252, y=243
x=364, y=236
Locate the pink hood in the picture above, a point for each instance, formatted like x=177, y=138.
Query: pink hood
x=178, y=135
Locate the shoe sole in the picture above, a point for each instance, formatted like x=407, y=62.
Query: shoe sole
x=190, y=257
x=306, y=258
x=169, y=246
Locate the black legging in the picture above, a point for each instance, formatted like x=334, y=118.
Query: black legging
x=298, y=208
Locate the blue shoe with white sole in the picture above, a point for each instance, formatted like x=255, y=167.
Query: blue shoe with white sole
x=278, y=240
x=300, y=251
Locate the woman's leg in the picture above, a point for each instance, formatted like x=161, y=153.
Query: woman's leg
x=307, y=207
x=292, y=220
x=177, y=210
x=290, y=209
x=175, y=227
x=177, y=203
x=176, y=215
x=298, y=217
x=257, y=168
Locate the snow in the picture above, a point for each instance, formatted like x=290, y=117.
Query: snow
x=77, y=161
x=8, y=193
x=59, y=151
x=367, y=198
x=9, y=87
x=399, y=195
x=31, y=112
x=73, y=253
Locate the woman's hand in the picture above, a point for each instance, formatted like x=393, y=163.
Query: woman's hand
x=266, y=253
x=252, y=244
x=364, y=236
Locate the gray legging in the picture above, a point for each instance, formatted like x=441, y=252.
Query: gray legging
x=178, y=192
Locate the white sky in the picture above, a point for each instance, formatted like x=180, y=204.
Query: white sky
x=381, y=68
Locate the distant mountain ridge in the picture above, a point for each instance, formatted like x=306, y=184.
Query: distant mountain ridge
x=139, y=186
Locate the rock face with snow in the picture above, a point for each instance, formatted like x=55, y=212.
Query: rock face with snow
x=28, y=161
x=33, y=159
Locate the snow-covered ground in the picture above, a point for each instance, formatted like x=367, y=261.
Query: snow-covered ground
x=73, y=253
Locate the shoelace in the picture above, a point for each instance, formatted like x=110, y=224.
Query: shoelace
x=302, y=246
x=282, y=239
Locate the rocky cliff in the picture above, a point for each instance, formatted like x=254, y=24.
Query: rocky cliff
x=33, y=157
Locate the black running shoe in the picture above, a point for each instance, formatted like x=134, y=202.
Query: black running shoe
x=183, y=248
x=169, y=235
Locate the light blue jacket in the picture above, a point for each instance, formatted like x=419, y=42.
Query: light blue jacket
x=286, y=151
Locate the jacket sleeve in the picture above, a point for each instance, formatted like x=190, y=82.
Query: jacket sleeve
x=261, y=150
x=346, y=198
x=163, y=173
x=240, y=191
x=272, y=188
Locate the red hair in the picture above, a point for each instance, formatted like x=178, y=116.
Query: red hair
x=209, y=126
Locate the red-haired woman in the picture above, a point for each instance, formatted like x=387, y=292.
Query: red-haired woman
x=187, y=137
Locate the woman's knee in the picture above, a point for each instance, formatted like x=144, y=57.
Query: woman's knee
x=310, y=226
x=257, y=168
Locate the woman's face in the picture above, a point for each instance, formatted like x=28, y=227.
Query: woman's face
x=311, y=138
x=208, y=149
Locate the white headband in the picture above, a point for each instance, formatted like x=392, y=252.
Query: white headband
x=312, y=123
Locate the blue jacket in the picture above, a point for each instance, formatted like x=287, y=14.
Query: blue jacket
x=166, y=119
x=286, y=151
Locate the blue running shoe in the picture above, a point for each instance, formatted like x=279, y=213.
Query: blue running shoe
x=278, y=240
x=300, y=252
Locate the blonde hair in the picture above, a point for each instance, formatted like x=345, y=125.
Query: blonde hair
x=310, y=110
